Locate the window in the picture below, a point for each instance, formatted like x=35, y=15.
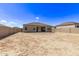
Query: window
x=33, y=28
x=25, y=28
x=49, y=28
x=77, y=26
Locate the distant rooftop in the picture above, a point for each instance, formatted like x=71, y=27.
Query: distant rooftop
x=3, y=25
x=68, y=23
x=37, y=23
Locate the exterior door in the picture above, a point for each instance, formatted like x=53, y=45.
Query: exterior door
x=36, y=29
x=42, y=29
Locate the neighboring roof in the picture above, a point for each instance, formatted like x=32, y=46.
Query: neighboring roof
x=16, y=28
x=2, y=25
x=68, y=23
x=37, y=23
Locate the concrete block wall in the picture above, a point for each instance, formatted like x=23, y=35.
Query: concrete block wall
x=53, y=30
x=75, y=30
x=68, y=30
x=6, y=31
x=62, y=30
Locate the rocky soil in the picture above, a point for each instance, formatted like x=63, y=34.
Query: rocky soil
x=40, y=44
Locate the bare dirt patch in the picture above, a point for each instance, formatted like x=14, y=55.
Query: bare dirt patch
x=40, y=44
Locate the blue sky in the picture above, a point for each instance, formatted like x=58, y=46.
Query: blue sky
x=49, y=13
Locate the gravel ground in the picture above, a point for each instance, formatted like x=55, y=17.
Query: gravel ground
x=40, y=44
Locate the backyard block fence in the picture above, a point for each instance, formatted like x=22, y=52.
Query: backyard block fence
x=6, y=31
x=68, y=30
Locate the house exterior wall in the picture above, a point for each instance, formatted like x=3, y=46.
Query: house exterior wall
x=49, y=29
x=39, y=28
x=69, y=26
x=77, y=25
x=30, y=28
x=68, y=29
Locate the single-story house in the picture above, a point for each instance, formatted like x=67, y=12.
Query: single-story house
x=37, y=27
x=68, y=25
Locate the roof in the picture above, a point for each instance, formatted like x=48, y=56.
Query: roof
x=37, y=23
x=16, y=28
x=2, y=25
x=68, y=23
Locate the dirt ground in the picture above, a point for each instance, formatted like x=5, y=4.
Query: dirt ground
x=40, y=44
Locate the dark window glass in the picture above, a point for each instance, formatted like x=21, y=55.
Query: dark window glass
x=49, y=28
x=25, y=28
x=77, y=26
x=33, y=28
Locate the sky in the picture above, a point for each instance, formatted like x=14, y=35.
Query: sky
x=17, y=14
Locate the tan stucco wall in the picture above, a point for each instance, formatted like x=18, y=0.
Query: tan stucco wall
x=69, y=26
x=39, y=29
x=68, y=30
x=30, y=28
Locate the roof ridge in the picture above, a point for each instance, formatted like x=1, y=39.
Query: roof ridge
x=37, y=23
x=67, y=23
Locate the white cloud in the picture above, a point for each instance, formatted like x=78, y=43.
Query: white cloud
x=3, y=21
x=8, y=23
x=12, y=22
x=37, y=17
